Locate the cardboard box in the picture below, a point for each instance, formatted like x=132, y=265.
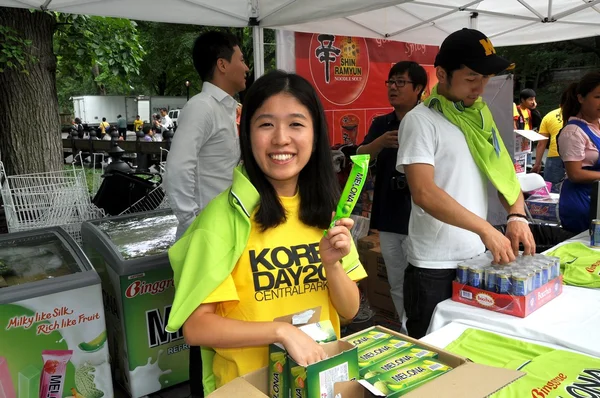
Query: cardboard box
x=365, y=244
x=279, y=361
x=466, y=380
x=543, y=208
x=379, y=287
x=317, y=380
x=520, y=306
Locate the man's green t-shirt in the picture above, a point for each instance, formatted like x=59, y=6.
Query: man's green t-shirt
x=550, y=373
x=579, y=265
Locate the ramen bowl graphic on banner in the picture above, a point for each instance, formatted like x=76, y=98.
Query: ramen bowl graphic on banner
x=339, y=66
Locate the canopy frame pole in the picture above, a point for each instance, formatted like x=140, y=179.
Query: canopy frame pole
x=258, y=43
x=532, y=10
x=483, y=12
x=365, y=27
x=277, y=9
x=575, y=10
x=419, y=18
x=513, y=29
x=473, y=20
x=200, y=3
x=433, y=19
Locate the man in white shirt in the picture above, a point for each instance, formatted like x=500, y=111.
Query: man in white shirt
x=165, y=123
x=448, y=184
x=205, y=149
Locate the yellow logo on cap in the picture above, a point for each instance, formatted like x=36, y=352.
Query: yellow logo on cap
x=487, y=46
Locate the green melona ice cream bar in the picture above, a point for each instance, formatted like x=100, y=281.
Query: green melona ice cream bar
x=400, y=381
x=397, y=360
x=368, y=338
x=375, y=353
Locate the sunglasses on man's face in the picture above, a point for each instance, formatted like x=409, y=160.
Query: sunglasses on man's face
x=399, y=83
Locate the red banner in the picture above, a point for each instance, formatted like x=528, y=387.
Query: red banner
x=349, y=75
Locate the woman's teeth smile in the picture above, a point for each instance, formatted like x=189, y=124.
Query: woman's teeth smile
x=281, y=156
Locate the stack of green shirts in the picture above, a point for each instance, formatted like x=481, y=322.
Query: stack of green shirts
x=579, y=265
x=550, y=373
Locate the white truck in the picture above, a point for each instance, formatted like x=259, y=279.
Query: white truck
x=92, y=108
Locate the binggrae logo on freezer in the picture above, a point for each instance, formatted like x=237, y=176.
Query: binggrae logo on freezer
x=157, y=335
x=485, y=299
x=139, y=288
x=587, y=385
x=286, y=271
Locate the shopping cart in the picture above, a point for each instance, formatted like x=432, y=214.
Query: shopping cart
x=56, y=198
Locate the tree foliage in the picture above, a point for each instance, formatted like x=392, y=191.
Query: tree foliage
x=95, y=55
x=14, y=52
x=535, y=66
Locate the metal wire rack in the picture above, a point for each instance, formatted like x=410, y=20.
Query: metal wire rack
x=156, y=198
x=56, y=198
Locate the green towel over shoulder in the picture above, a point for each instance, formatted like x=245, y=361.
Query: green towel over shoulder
x=477, y=124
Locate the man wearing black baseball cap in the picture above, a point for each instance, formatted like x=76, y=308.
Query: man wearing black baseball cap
x=450, y=148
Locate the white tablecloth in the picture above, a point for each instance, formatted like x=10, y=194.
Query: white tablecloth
x=452, y=331
x=572, y=320
x=583, y=237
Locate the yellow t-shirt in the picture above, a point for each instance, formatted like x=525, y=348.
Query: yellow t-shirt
x=103, y=126
x=137, y=125
x=279, y=273
x=550, y=127
x=526, y=116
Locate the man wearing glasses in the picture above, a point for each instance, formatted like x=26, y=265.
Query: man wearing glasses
x=391, y=201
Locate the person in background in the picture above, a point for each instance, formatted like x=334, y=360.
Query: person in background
x=522, y=113
x=281, y=200
x=391, y=198
x=164, y=123
x=578, y=145
x=138, y=123
x=449, y=148
x=78, y=127
x=554, y=169
x=206, y=149
x=157, y=129
x=122, y=126
x=103, y=126
x=148, y=133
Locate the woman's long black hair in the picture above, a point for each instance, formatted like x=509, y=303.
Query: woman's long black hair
x=317, y=183
x=587, y=84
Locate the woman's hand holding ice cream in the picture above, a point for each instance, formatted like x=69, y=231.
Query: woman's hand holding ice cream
x=336, y=244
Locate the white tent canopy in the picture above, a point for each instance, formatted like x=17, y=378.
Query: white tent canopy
x=507, y=22
x=232, y=13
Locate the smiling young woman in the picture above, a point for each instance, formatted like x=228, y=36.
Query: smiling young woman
x=257, y=252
